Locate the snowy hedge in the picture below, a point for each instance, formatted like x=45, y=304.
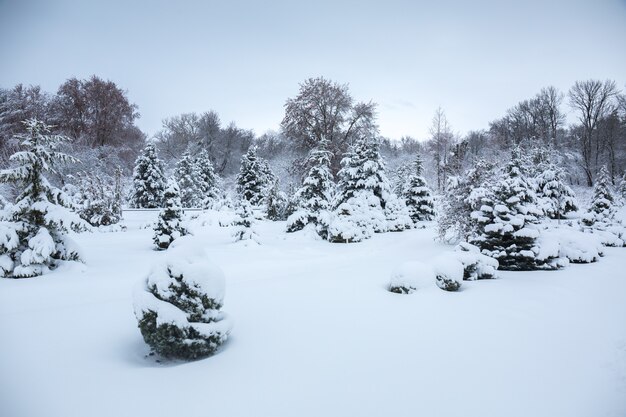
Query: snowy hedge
x=178, y=306
x=409, y=276
x=448, y=273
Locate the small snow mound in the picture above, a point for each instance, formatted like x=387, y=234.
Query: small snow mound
x=448, y=272
x=409, y=276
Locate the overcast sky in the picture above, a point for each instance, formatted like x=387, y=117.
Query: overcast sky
x=243, y=59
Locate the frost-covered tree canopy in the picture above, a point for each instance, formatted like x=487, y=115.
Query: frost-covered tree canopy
x=148, y=180
x=34, y=229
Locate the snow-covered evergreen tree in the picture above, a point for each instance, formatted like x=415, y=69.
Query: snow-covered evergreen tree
x=621, y=189
x=506, y=221
x=276, y=203
x=602, y=207
x=178, y=307
x=190, y=181
x=244, y=222
x=169, y=226
x=98, y=198
x=209, y=180
x=417, y=195
x=400, y=178
x=33, y=230
x=148, y=180
x=315, y=195
x=252, y=177
x=555, y=197
x=463, y=195
x=364, y=192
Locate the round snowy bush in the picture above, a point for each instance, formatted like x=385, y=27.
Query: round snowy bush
x=475, y=264
x=409, y=276
x=178, y=306
x=448, y=273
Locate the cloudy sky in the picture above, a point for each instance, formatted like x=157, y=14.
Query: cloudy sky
x=244, y=58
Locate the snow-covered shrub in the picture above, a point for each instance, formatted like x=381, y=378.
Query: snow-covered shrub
x=475, y=264
x=178, y=306
x=576, y=246
x=244, y=223
x=397, y=215
x=417, y=195
x=448, y=273
x=33, y=231
x=312, y=200
x=98, y=198
x=169, y=225
x=507, y=222
x=354, y=219
x=409, y=276
x=148, y=180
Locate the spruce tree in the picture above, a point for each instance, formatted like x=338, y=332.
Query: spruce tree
x=602, y=207
x=244, y=222
x=621, y=188
x=189, y=181
x=276, y=203
x=209, y=180
x=169, y=225
x=417, y=195
x=33, y=239
x=315, y=194
x=463, y=195
x=506, y=221
x=555, y=197
x=363, y=194
x=148, y=180
x=251, y=180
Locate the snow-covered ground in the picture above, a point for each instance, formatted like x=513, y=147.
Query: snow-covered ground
x=316, y=333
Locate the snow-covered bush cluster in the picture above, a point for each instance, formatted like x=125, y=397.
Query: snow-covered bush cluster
x=178, y=306
x=406, y=278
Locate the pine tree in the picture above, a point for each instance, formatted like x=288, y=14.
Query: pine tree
x=33, y=236
x=555, y=197
x=209, y=180
x=601, y=208
x=276, y=203
x=252, y=177
x=189, y=181
x=169, y=225
x=417, y=195
x=621, y=188
x=148, y=180
x=314, y=197
x=178, y=307
x=244, y=222
x=505, y=222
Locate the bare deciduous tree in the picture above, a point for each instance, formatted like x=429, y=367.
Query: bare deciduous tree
x=594, y=100
x=325, y=110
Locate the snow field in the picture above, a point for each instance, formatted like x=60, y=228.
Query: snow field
x=316, y=333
